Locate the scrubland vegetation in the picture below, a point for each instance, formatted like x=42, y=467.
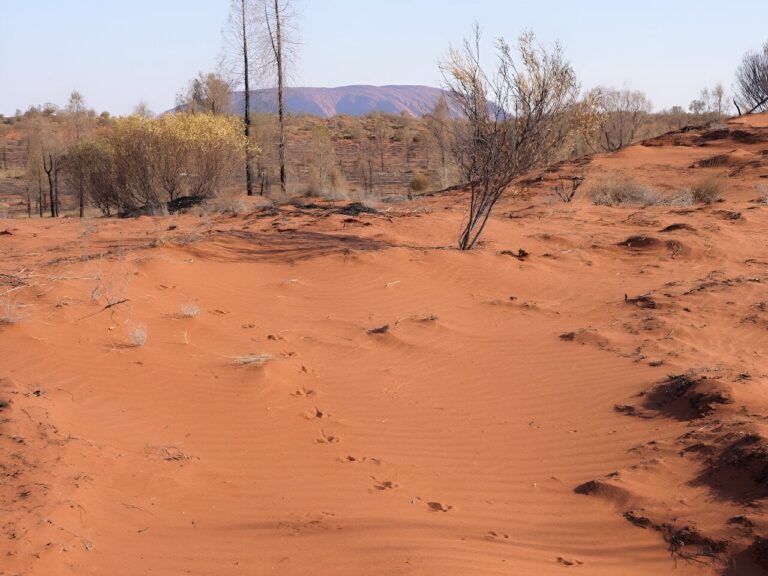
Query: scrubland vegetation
x=529, y=112
x=628, y=192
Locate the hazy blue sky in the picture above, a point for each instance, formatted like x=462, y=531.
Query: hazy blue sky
x=117, y=52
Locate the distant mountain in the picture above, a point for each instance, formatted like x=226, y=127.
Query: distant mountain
x=353, y=100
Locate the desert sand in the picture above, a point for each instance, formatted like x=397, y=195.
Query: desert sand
x=344, y=394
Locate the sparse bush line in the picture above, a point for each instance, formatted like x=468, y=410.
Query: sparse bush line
x=620, y=191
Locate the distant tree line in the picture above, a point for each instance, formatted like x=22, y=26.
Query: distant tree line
x=141, y=162
x=124, y=164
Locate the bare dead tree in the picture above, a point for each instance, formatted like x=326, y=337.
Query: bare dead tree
x=513, y=119
x=438, y=123
x=142, y=110
x=278, y=52
x=718, y=98
x=3, y=147
x=33, y=167
x=366, y=155
x=77, y=110
x=208, y=92
x=752, y=82
x=382, y=133
x=51, y=167
x=240, y=36
x=621, y=114
x=407, y=136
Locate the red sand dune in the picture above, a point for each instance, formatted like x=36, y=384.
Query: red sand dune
x=515, y=416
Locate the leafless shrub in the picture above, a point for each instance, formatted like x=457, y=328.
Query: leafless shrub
x=232, y=205
x=325, y=177
x=210, y=92
x=235, y=207
x=512, y=120
x=752, y=81
x=160, y=210
x=190, y=310
x=568, y=195
x=138, y=335
x=621, y=114
x=623, y=192
x=333, y=193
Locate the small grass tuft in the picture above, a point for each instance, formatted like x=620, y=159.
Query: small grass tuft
x=707, y=190
x=257, y=360
x=190, y=310
x=623, y=192
x=138, y=335
x=762, y=191
x=10, y=312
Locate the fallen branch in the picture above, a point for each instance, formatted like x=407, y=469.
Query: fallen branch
x=107, y=307
x=13, y=290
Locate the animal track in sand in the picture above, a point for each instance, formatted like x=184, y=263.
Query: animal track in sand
x=569, y=563
x=316, y=414
x=364, y=460
x=166, y=453
x=496, y=536
x=304, y=392
x=326, y=438
x=438, y=507
x=384, y=485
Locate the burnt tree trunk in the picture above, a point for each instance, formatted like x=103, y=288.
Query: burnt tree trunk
x=49, y=164
x=247, y=113
x=278, y=48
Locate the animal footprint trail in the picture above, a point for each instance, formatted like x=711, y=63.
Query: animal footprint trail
x=438, y=507
x=384, y=485
x=349, y=459
x=304, y=392
x=327, y=438
x=316, y=414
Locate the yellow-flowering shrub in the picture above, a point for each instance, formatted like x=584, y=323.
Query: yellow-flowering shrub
x=175, y=155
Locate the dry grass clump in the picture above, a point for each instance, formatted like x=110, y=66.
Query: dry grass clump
x=762, y=193
x=419, y=183
x=190, y=310
x=10, y=312
x=234, y=206
x=623, y=192
x=257, y=360
x=224, y=204
x=138, y=335
x=706, y=191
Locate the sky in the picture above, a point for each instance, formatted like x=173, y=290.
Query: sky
x=118, y=52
